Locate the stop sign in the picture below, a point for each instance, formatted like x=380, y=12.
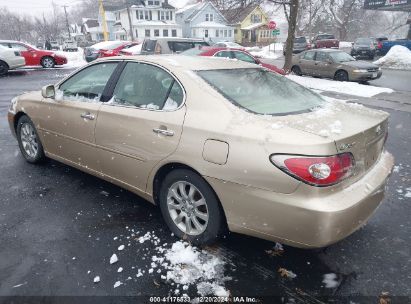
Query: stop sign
x=272, y=25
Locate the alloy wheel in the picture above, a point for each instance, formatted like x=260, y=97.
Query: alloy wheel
x=187, y=208
x=48, y=62
x=29, y=140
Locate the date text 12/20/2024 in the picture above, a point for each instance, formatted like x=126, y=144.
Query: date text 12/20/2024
x=186, y=299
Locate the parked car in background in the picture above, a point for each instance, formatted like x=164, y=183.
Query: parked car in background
x=34, y=56
x=228, y=44
x=131, y=51
x=231, y=53
x=363, y=47
x=170, y=45
x=70, y=45
x=325, y=41
x=378, y=44
x=388, y=44
x=10, y=59
x=55, y=45
x=196, y=137
x=106, y=49
x=334, y=64
x=300, y=44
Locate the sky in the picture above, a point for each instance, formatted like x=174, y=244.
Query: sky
x=35, y=7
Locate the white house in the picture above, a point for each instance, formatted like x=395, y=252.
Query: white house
x=149, y=19
x=92, y=29
x=203, y=20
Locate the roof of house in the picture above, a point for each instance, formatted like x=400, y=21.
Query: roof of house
x=235, y=16
x=197, y=8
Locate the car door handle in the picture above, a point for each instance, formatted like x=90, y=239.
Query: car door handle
x=88, y=116
x=164, y=132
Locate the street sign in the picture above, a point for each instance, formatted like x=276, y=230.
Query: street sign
x=276, y=32
x=272, y=25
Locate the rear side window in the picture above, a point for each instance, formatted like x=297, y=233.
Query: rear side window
x=274, y=94
x=146, y=86
x=224, y=54
x=321, y=56
x=88, y=84
x=244, y=57
x=309, y=56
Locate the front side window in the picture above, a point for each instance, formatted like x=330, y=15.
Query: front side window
x=88, y=84
x=147, y=86
x=274, y=94
x=321, y=56
x=244, y=57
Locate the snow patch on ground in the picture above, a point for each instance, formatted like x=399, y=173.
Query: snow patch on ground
x=330, y=280
x=272, y=51
x=345, y=45
x=74, y=59
x=351, y=88
x=398, y=57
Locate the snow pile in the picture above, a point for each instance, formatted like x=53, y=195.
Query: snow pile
x=272, y=51
x=351, y=88
x=398, y=57
x=74, y=59
x=187, y=265
x=330, y=280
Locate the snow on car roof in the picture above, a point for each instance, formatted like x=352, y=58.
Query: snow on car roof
x=192, y=63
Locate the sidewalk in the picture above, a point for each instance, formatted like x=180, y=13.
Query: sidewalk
x=399, y=101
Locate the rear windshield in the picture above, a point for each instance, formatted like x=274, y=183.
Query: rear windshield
x=341, y=57
x=323, y=37
x=365, y=41
x=149, y=45
x=299, y=40
x=181, y=46
x=261, y=91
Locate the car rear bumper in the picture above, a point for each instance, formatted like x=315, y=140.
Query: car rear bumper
x=10, y=118
x=16, y=62
x=305, y=218
x=60, y=60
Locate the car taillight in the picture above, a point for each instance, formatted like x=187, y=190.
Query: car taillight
x=379, y=45
x=316, y=170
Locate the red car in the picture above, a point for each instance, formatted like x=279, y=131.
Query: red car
x=233, y=54
x=106, y=49
x=34, y=56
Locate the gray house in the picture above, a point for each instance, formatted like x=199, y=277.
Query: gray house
x=203, y=20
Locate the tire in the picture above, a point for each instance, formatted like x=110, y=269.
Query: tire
x=341, y=76
x=4, y=68
x=180, y=212
x=29, y=141
x=296, y=70
x=47, y=62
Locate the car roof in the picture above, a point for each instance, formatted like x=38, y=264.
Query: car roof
x=188, y=63
x=326, y=50
x=175, y=39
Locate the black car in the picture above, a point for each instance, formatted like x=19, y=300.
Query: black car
x=363, y=47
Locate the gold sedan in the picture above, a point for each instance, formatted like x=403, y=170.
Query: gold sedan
x=217, y=144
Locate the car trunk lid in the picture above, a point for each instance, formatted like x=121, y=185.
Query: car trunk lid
x=353, y=128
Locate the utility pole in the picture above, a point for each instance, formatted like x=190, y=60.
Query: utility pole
x=67, y=24
x=129, y=20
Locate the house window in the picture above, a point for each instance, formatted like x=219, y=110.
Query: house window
x=147, y=33
x=230, y=33
x=118, y=16
x=157, y=2
x=156, y=33
x=235, y=31
x=148, y=15
x=210, y=17
x=141, y=15
x=174, y=33
x=217, y=32
x=150, y=2
x=221, y=33
x=225, y=33
x=256, y=18
x=206, y=33
x=165, y=33
x=136, y=33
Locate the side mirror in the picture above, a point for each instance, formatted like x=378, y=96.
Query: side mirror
x=48, y=91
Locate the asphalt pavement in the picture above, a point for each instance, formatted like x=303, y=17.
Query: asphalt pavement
x=58, y=223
